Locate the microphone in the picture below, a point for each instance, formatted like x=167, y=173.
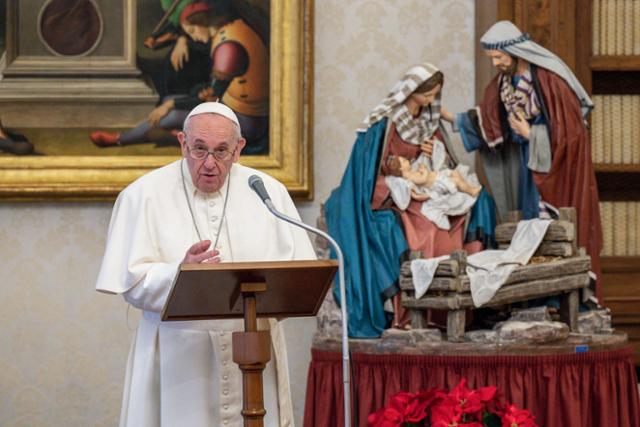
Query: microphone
x=255, y=182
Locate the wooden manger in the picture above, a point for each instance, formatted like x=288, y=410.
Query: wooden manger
x=564, y=271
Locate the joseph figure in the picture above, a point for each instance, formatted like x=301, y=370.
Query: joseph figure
x=531, y=136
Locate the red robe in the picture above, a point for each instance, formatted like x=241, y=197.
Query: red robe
x=571, y=180
x=421, y=234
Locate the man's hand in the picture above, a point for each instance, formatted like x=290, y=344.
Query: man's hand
x=149, y=42
x=206, y=95
x=180, y=53
x=519, y=125
x=198, y=253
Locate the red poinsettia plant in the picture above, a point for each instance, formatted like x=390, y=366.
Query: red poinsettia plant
x=461, y=407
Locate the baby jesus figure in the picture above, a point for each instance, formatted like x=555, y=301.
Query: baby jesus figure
x=443, y=191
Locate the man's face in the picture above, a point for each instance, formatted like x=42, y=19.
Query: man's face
x=502, y=61
x=211, y=132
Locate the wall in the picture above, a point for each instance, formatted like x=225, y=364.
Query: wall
x=63, y=346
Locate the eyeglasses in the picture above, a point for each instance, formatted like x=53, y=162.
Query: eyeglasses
x=201, y=153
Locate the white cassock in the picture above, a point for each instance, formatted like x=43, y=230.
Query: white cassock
x=182, y=373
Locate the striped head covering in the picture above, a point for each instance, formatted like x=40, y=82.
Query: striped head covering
x=414, y=130
x=506, y=37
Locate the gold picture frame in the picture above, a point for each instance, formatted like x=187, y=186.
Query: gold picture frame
x=38, y=178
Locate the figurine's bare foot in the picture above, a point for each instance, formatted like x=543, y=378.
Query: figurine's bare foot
x=463, y=185
x=105, y=139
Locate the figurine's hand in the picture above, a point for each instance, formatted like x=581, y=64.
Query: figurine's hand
x=198, y=253
x=418, y=197
x=446, y=114
x=180, y=53
x=427, y=147
x=519, y=125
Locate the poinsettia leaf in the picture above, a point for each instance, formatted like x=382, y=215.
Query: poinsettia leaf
x=491, y=420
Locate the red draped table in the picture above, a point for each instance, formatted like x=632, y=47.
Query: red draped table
x=595, y=388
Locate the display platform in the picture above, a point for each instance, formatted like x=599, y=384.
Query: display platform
x=583, y=381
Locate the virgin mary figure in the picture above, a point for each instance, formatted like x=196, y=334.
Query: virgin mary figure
x=373, y=231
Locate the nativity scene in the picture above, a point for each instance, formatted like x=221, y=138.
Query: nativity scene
x=325, y=213
x=457, y=270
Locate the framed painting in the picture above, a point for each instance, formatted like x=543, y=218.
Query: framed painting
x=94, y=92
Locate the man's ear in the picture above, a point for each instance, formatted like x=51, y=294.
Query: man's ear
x=182, y=139
x=241, y=143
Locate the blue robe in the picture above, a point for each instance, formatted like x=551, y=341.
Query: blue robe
x=372, y=241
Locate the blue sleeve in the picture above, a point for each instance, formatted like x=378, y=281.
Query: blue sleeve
x=470, y=138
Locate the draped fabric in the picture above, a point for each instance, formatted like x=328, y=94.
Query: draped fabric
x=372, y=241
x=593, y=389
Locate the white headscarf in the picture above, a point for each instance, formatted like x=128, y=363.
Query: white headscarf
x=413, y=130
x=506, y=37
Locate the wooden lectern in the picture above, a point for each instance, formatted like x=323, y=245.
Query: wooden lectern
x=249, y=290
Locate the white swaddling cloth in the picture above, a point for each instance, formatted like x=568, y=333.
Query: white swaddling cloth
x=444, y=198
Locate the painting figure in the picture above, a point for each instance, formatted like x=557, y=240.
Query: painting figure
x=239, y=78
x=14, y=143
x=187, y=62
x=362, y=215
x=530, y=133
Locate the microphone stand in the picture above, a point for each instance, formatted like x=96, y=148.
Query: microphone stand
x=343, y=305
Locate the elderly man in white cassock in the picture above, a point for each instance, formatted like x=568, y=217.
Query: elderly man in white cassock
x=198, y=209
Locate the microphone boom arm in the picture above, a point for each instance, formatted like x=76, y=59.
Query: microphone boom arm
x=343, y=305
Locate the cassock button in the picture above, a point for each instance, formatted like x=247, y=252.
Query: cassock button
x=224, y=363
x=224, y=347
x=226, y=377
x=226, y=406
x=226, y=421
x=226, y=392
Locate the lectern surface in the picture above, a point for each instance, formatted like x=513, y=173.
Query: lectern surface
x=212, y=291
